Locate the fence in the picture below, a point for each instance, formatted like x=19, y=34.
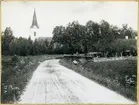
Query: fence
x=114, y=58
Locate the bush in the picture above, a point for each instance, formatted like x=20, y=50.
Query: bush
x=15, y=59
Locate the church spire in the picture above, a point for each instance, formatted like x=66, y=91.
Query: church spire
x=34, y=22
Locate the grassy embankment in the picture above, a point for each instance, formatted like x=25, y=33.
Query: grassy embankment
x=16, y=72
x=115, y=75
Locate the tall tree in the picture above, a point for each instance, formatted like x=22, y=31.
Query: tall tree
x=7, y=37
x=106, y=37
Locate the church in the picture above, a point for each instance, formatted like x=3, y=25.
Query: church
x=34, y=28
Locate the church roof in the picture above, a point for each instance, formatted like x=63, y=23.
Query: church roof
x=49, y=39
x=34, y=21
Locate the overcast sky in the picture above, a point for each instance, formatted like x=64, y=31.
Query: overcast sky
x=19, y=15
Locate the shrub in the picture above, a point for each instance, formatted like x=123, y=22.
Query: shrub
x=15, y=59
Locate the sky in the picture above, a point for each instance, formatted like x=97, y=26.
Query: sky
x=19, y=14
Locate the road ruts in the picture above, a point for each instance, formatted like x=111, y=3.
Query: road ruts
x=54, y=83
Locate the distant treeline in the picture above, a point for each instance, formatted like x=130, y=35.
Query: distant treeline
x=22, y=46
x=73, y=38
x=94, y=37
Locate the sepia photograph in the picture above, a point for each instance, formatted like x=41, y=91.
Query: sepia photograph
x=61, y=52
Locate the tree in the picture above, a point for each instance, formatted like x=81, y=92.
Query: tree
x=115, y=31
x=19, y=46
x=69, y=37
x=91, y=36
x=127, y=31
x=14, y=47
x=106, y=37
x=29, y=46
x=121, y=45
x=45, y=46
x=75, y=32
x=58, y=34
x=7, y=37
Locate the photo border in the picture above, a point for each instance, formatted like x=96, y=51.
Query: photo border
x=72, y=1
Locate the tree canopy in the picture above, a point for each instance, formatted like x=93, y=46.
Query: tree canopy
x=74, y=38
x=92, y=37
x=22, y=46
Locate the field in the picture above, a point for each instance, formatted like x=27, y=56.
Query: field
x=119, y=76
x=16, y=72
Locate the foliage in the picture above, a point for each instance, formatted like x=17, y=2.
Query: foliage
x=92, y=37
x=15, y=59
x=74, y=38
x=16, y=73
x=124, y=45
x=7, y=37
x=22, y=46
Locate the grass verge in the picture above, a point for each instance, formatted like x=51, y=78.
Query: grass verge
x=119, y=76
x=16, y=72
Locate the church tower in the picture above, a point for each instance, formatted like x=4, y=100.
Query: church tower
x=34, y=27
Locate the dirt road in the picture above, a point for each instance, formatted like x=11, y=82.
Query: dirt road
x=54, y=83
